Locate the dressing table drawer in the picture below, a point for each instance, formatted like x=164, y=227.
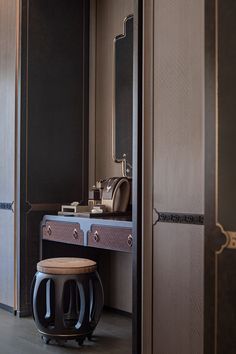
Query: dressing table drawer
x=112, y=238
x=63, y=232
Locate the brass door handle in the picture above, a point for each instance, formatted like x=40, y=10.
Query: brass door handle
x=75, y=234
x=49, y=230
x=130, y=241
x=96, y=236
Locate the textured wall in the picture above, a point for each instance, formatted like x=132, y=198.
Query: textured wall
x=178, y=175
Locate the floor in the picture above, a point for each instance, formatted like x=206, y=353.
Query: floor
x=19, y=335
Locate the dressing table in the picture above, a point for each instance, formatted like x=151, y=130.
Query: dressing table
x=110, y=234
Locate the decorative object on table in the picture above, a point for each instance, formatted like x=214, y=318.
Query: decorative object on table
x=116, y=194
x=98, y=209
x=109, y=197
x=73, y=208
x=95, y=194
x=67, y=299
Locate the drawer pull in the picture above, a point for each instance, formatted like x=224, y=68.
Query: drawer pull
x=130, y=241
x=96, y=237
x=49, y=230
x=75, y=234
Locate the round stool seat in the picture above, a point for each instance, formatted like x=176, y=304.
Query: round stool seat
x=66, y=266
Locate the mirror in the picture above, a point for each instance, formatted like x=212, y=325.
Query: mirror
x=123, y=97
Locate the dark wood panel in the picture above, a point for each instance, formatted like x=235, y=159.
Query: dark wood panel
x=54, y=119
x=226, y=28
x=211, y=234
x=137, y=182
x=226, y=258
x=220, y=72
x=226, y=304
x=57, y=113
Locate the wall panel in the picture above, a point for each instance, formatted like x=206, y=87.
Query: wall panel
x=7, y=98
x=7, y=147
x=178, y=249
x=178, y=105
x=7, y=258
x=178, y=289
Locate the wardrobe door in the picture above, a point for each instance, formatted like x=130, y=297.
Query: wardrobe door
x=7, y=150
x=220, y=291
x=178, y=232
x=54, y=119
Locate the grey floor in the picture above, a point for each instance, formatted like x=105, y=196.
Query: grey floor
x=19, y=336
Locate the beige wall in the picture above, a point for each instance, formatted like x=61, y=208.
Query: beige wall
x=107, y=22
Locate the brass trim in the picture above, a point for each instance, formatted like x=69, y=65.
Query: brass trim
x=226, y=234
x=122, y=161
x=232, y=239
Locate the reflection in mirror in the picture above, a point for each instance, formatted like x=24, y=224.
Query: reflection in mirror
x=123, y=98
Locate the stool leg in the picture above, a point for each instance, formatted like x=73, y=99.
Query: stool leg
x=83, y=321
x=32, y=295
x=34, y=301
x=98, y=300
x=46, y=339
x=59, y=308
x=72, y=314
x=39, y=302
x=81, y=340
x=49, y=312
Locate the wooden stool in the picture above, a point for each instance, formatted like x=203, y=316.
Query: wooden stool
x=67, y=299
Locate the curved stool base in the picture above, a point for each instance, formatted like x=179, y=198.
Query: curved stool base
x=66, y=307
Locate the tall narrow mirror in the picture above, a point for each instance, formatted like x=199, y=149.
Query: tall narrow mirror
x=123, y=97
